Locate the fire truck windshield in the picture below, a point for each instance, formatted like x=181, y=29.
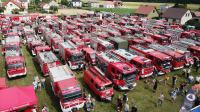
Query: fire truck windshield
x=109, y=47
x=8, y=48
x=72, y=96
x=77, y=57
x=15, y=65
x=179, y=59
x=147, y=65
x=166, y=64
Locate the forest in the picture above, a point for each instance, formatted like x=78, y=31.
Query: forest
x=166, y=1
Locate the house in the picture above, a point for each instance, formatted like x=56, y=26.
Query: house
x=44, y=6
x=147, y=11
x=10, y=5
x=93, y=4
x=163, y=8
x=177, y=15
x=76, y=3
x=53, y=3
x=109, y=4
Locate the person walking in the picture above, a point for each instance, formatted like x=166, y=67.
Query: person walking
x=155, y=86
x=43, y=82
x=155, y=72
x=39, y=86
x=174, y=80
x=188, y=73
x=35, y=85
x=166, y=78
x=125, y=97
x=173, y=95
x=197, y=65
x=119, y=104
x=160, y=99
x=126, y=107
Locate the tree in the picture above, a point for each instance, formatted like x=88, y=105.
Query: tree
x=65, y=2
x=54, y=8
x=2, y=9
x=37, y=2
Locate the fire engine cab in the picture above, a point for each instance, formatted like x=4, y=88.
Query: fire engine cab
x=122, y=74
x=66, y=87
x=71, y=55
x=98, y=83
x=161, y=61
x=47, y=60
x=90, y=55
x=144, y=65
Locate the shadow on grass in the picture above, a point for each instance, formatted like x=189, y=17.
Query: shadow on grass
x=37, y=66
x=54, y=100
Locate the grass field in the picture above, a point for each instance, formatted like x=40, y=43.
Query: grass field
x=112, y=10
x=142, y=95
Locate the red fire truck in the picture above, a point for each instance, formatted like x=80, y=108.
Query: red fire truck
x=15, y=66
x=66, y=87
x=112, y=32
x=53, y=40
x=90, y=55
x=177, y=58
x=161, y=61
x=187, y=55
x=122, y=74
x=100, y=44
x=39, y=49
x=46, y=61
x=33, y=44
x=144, y=65
x=11, y=42
x=98, y=83
x=70, y=54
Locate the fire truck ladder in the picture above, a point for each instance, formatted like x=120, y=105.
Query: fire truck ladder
x=158, y=47
x=113, y=56
x=182, y=44
x=190, y=41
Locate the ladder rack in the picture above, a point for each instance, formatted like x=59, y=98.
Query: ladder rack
x=97, y=70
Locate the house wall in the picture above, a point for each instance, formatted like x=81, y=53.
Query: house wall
x=109, y=6
x=77, y=4
x=187, y=16
x=154, y=13
x=9, y=7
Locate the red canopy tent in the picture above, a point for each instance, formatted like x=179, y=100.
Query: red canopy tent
x=3, y=83
x=16, y=98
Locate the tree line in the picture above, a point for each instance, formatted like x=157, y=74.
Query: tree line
x=166, y=1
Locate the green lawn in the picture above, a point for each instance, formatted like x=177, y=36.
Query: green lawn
x=143, y=97
x=112, y=10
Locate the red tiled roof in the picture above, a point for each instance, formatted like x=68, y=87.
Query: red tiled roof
x=18, y=4
x=145, y=9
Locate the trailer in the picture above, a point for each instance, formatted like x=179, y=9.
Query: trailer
x=71, y=55
x=66, y=87
x=101, y=45
x=47, y=60
x=118, y=42
x=122, y=74
x=98, y=83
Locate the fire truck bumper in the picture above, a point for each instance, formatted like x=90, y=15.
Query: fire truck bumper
x=176, y=68
x=16, y=75
x=71, y=108
x=147, y=75
x=128, y=87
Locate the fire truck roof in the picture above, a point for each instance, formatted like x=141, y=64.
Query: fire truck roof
x=141, y=59
x=103, y=42
x=14, y=59
x=48, y=57
x=159, y=55
x=124, y=67
x=108, y=57
x=125, y=54
x=68, y=44
x=11, y=39
x=195, y=48
x=45, y=48
x=68, y=84
x=89, y=50
x=61, y=73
